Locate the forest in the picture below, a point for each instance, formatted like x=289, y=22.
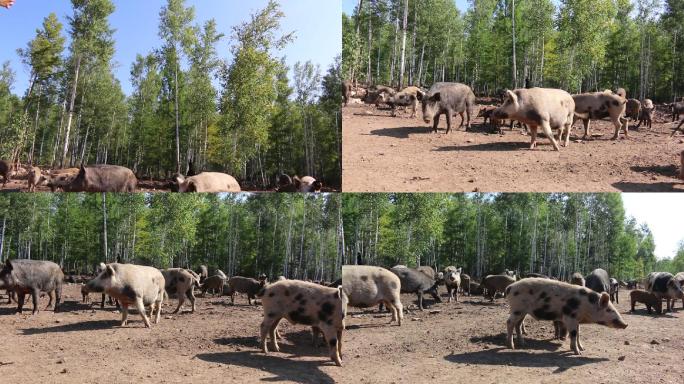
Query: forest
x=201, y=101
x=576, y=45
x=553, y=234
x=243, y=234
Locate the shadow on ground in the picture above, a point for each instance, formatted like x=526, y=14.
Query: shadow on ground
x=94, y=325
x=649, y=187
x=401, y=132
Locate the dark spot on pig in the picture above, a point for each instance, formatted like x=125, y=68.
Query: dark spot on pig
x=582, y=291
x=531, y=292
x=333, y=342
x=544, y=314
x=181, y=279
x=364, y=278
x=287, y=293
x=573, y=333
x=393, y=285
x=534, y=116
x=542, y=295
x=517, y=313
x=271, y=294
x=516, y=293
x=594, y=297
x=616, y=103
x=326, y=311
x=128, y=292
x=299, y=318
x=546, y=300
x=302, y=302
x=299, y=296
x=272, y=314
x=329, y=322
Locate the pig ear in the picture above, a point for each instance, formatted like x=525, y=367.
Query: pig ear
x=8, y=264
x=605, y=299
x=419, y=95
x=109, y=271
x=511, y=95
x=459, y=270
x=436, y=97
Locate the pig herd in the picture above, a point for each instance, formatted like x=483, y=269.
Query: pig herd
x=536, y=109
x=323, y=306
x=114, y=178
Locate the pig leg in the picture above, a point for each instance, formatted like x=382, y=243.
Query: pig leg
x=549, y=133
x=449, y=120
x=330, y=335
x=339, y=343
x=435, y=122
x=49, y=301
x=514, y=321
x=618, y=127
x=579, y=340
x=677, y=129
x=124, y=314
x=533, y=134
x=181, y=300
x=265, y=327
x=141, y=308
x=35, y=293
x=159, y=308
x=586, y=123
x=191, y=295
x=103, y=301
x=420, y=301
x=272, y=333
x=574, y=335
x=523, y=329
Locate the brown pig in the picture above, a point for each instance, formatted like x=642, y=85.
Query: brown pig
x=601, y=105
x=103, y=178
x=35, y=178
x=647, y=298
x=250, y=287
x=300, y=302
x=633, y=109
x=59, y=179
x=496, y=283
x=5, y=172
x=448, y=99
x=646, y=115
x=208, y=182
x=214, y=283
x=180, y=283
x=568, y=304
x=577, y=279
x=346, y=91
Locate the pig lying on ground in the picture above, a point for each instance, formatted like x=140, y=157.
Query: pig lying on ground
x=306, y=184
x=413, y=281
x=577, y=279
x=600, y=105
x=207, y=182
x=180, y=283
x=132, y=285
x=664, y=286
x=598, y=281
x=646, y=114
x=250, y=287
x=447, y=99
x=103, y=178
x=496, y=283
x=647, y=298
x=452, y=280
x=32, y=276
x=304, y=303
x=35, y=178
x=545, y=299
x=365, y=286
x=5, y=172
x=540, y=107
x=215, y=283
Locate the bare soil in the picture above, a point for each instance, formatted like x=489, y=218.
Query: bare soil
x=401, y=154
x=456, y=342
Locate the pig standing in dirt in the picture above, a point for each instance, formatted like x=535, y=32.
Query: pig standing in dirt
x=35, y=178
x=647, y=298
x=447, y=99
x=614, y=290
x=365, y=286
x=679, y=278
x=306, y=184
x=664, y=286
x=103, y=178
x=465, y=284
x=413, y=281
x=540, y=107
x=5, y=172
x=207, y=182
x=203, y=273
x=497, y=283
x=304, y=303
x=215, y=283
x=677, y=110
x=180, y=283
x=408, y=97
x=33, y=277
x=577, y=279
x=346, y=91
x=132, y=285
x=60, y=179
x=250, y=287
x=600, y=105
x=545, y=299
x=633, y=109
x=646, y=114
x=452, y=280
x=427, y=271
x=598, y=281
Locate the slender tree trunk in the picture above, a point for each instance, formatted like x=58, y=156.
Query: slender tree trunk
x=515, y=61
x=104, y=225
x=178, y=165
x=72, y=101
x=404, y=26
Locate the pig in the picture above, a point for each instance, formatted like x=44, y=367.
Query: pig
x=679, y=278
x=60, y=179
x=536, y=275
x=475, y=289
x=598, y=281
x=452, y=280
x=632, y=284
x=447, y=99
x=336, y=283
x=427, y=271
x=465, y=284
x=568, y=304
x=647, y=298
x=408, y=97
x=384, y=89
x=375, y=98
x=179, y=283
x=413, y=281
x=35, y=178
x=614, y=290
x=85, y=294
x=207, y=182
x=595, y=106
x=239, y=284
x=346, y=91
x=33, y=276
x=131, y=284
x=496, y=283
x=365, y=286
x=203, y=273
x=577, y=279
x=664, y=286
x=540, y=107
x=103, y=178
x=5, y=172
x=677, y=110
x=221, y=274
x=678, y=129
x=306, y=184
x=300, y=302
x=646, y=114
x=633, y=109
x=215, y=283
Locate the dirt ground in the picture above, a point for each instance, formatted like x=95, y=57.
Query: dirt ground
x=402, y=154
x=463, y=341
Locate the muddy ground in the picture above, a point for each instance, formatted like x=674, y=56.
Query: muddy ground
x=402, y=154
x=456, y=342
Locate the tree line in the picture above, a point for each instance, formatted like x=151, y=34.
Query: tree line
x=242, y=234
x=256, y=124
x=576, y=45
x=553, y=234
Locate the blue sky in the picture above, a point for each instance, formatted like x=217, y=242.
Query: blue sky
x=663, y=213
x=316, y=23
